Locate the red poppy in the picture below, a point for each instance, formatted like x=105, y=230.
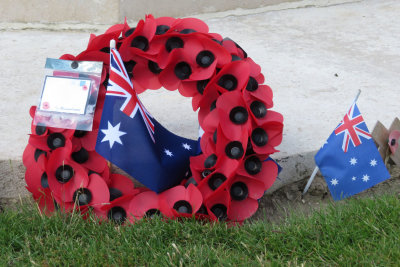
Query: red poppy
x=54, y=138
x=138, y=42
x=267, y=133
x=117, y=210
x=189, y=25
x=145, y=204
x=65, y=175
x=95, y=194
x=207, y=104
x=34, y=157
x=234, y=48
x=233, y=115
x=253, y=179
x=263, y=171
x=36, y=179
x=218, y=206
x=180, y=200
x=120, y=185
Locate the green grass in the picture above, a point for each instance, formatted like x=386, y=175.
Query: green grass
x=354, y=232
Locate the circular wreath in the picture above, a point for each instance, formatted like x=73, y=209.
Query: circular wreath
x=240, y=131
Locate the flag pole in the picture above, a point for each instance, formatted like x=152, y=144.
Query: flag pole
x=314, y=173
x=112, y=43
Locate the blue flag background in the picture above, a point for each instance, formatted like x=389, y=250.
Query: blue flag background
x=351, y=172
x=125, y=142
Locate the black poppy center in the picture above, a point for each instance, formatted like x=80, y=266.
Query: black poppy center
x=191, y=180
x=183, y=70
x=114, y=193
x=43, y=181
x=187, y=31
x=393, y=142
x=205, y=58
x=201, y=85
x=258, y=108
x=213, y=105
x=216, y=180
x=55, y=140
x=173, y=42
x=210, y=161
x=37, y=154
x=215, y=137
x=239, y=191
x=182, y=206
x=151, y=213
x=82, y=196
x=228, y=81
x=80, y=156
x=140, y=42
x=117, y=214
x=64, y=173
x=220, y=211
x=238, y=115
x=234, y=150
x=129, y=32
x=40, y=129
x=79, y=133
x=252, y=85
x=153, y=67
x=161, y=29
x=253, y=165
x=206, y=173
x=259, y=137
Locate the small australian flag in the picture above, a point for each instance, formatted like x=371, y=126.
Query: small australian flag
x=349, y=159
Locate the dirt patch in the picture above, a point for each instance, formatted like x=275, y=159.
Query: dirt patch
x=288, y=199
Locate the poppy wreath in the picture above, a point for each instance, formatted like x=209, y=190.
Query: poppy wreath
x=64, y=172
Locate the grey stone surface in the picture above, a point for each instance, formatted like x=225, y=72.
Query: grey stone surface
x=315, y=59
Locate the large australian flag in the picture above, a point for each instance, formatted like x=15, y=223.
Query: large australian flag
x=349, y=159
x=133, y=140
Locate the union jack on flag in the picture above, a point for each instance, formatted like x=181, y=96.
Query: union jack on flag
x=350, y=126
x=119, y=84
x=349, y=170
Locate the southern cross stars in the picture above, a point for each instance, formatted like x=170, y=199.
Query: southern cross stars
x=365, y=178
x=186, y=146
x=112, y=134
x=353, y=161
x=168, y=153
x=373, y=162
x=334, y=182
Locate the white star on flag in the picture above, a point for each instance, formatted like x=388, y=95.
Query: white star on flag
x=353, y=178
x=168, y=153
x=365, y=178
x=112, y=134
x=353, y=161
x=334, y=182
x=186, y=146
x=373, y=162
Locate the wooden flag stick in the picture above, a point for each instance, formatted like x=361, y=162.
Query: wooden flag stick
x=314, y=173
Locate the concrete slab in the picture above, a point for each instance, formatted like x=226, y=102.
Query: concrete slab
x=315, y=59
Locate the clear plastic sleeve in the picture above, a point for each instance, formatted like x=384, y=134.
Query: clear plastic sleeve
x=69, y=94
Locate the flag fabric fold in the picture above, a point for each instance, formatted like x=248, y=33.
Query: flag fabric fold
x=133, y=140
x=349, y=159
